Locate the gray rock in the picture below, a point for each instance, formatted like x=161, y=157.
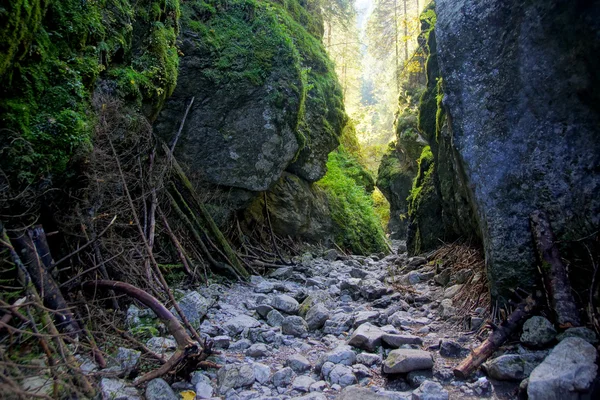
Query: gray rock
x=417, y=261
x=314, y=298
x=366, y=337
x=127, y=358
x=513, y=366
x=312, y=396
x=194, y=306
x=372, y=289
x=365, y=316
x=161, y=345
x=533, y=149
x=451, y=349
x=298, y=363
x=302, y=383
x=41, y=385
x=295, y=326
x=283, y=377
x=586, y=334
x=368, y=359
x=330, y=255
x=240, y=345
x=416, y=378
x=430, y=390
x=327, y=368
x=447, y=310
x=406, y=360
x=159, y=389
x=361, y=371
x=285, y=303
x=204, y=390
x=452, y=291
x=351, y=285
x=318, y=386
x=338, y=324
x=397, y=340
x=281, y=273
x=443, y=278
x=264, y=287
x=342, y=375
x=569, y=369
x=360, y=393
x=222, y=342
x=257, y=350
x=117, y=389
x=275, y=318
x=317, y=316
x=342, y=354
x=358, y=273
x=537, y=332
x=263, y=310
x=237, y=324
x=262, y=373
x=234, y=376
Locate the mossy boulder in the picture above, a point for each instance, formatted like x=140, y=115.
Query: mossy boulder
x=266, y=97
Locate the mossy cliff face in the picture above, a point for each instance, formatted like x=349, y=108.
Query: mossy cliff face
x=54, y=54
x=520, y=83
x=440, y=207
x=266, y=97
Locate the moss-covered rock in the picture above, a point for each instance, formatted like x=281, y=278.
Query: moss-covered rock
x=53, y=54
x=356, y=226
x=266, y=96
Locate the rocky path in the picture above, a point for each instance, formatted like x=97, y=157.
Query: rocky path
x=331, y=327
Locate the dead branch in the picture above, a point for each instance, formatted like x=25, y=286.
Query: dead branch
x=496, y=338
x=176, y=138
x=556, y=281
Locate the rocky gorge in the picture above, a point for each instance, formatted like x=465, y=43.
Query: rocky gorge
x=340, y=327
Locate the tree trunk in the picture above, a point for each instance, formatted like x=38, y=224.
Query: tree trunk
x=554, y=273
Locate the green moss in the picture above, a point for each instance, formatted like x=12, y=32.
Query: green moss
x=51, y=56
x=357, y=227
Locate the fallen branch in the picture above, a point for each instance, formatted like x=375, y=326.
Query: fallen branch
x=556, y=281
x=187, y=349
x=500, y=334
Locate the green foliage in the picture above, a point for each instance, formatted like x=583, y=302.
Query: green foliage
x=51, y=56
x=381, y=207
x=357, y=226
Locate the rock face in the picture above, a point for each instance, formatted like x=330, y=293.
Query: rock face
x=568, y=370
x=256, y=101
x=526, y=135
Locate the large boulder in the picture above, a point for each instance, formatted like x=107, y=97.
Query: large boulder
x=525, y=122
x=569, y=369
x=263, y=89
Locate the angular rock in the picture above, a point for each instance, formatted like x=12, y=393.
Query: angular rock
x=372, y=289
x=366, y=337
x=451, y=291
x=118, y=389
x=569, y=369
x=368, y=359
x=360, y=393
x=275, y=318
x=430, y=390
x=237, y=324
x=447, y=310
x=257, y=350
x=302, y=383
x=127, y=358
x=295, y=326
x=451, y=349
x=285, y=303
x=234, y=376
x=365, y=316
x=537, y=332
x=406, y=360
x=586, y=334
x=342, y=354
x=262, y=373
x=342, y=375
x=283, y=377
x=416, y=378
x=194, y=306
x=330, y=255
x=513, y=366
x=240, y=345
x=161, y=345
x=314, y=298
x=221, y=342
x=398, y=340
x=159, y=389
x=338, y=324
x=298, y=363
x=317, y=316
x=264, y=287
